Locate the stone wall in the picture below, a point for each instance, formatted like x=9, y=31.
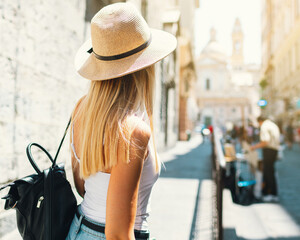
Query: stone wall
x=38, y=83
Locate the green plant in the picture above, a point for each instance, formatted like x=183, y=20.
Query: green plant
x=263, y=83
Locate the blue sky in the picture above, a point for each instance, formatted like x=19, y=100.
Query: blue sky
x=221, y=15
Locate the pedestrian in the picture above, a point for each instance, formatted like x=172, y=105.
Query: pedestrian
x=269, y=142
x=256, y=134
x=298, y=133
x=114, y=160
x=250, y=133
x=211, y=128
x=289, y=135
x=234, y=132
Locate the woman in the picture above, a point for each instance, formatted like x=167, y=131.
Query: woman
x=113, y=152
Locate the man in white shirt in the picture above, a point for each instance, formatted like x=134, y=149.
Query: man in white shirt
x=269, y=142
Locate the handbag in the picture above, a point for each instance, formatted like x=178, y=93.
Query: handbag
x=44, y=202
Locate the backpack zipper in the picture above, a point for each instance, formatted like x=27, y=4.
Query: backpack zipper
x=40, y=201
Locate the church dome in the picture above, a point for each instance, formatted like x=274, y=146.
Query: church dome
x=214, y=49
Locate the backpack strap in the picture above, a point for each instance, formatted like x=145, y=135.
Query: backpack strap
x=48, y=210
x=30, y=157
x=61, y=142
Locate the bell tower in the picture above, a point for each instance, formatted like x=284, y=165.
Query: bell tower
x=237, y=57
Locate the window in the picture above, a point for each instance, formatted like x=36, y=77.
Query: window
x=144, y=8
x=186, y=86
x=207, y=121
x=296, y=55
x=297, y=8
x=290, y=62
x=293, y=52
x=237, y=46
x=207, y=84
x=93, y=6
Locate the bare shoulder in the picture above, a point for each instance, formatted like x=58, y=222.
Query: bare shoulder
x=140, y=131
x=78, y=104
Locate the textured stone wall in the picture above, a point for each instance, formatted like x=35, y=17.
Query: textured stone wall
x=38, y=83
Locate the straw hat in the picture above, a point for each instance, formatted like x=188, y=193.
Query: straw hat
x=121, y=43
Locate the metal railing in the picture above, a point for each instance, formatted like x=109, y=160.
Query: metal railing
x=218, y=173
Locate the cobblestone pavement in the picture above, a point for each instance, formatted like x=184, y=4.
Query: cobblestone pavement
x=181, y=200
x=269, y=221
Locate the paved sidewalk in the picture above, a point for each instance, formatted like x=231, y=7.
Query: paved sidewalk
x=182, y=197
x=269, y=221
x=288, y=170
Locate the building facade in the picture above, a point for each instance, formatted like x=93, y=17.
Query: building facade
x=187, y=77
x=173, y=105
x=187, y=95
x=226, y=86
x=281, y=59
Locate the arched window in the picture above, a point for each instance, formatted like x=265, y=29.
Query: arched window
x=237, y=46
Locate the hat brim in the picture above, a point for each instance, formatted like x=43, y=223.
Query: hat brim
x=89, y=67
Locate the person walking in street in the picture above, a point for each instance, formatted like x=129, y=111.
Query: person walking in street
x=289, y=135
x=250, y=133
x=114, y=159
x=298, y=134
x=269, y=142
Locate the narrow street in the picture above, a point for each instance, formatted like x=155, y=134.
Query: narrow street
x=289, y=179
x=266, y=221
x=182, y=201
x=181, y=206
x=182, y=197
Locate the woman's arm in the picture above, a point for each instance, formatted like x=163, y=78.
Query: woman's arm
x=79, y=182
x=123, y=186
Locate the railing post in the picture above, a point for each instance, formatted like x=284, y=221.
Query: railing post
x=218, y=170
x=220, y=203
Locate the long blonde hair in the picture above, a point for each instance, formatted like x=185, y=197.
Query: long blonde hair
x=101, y=116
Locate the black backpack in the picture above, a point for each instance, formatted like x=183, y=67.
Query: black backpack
x=44, y=202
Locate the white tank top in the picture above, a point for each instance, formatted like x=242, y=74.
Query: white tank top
x=96, y=186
